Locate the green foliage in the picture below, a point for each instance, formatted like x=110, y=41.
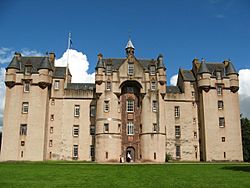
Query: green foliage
x=70, y=174
x=245, y=129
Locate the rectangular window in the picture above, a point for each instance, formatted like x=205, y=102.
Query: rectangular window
x=224, y=154
x=195, y=134
x=219, y=89
x=177, y=131
x=154, y=155
x=23, y=129
x=92, y=130
x=57, y=84
x=27, y=70
x=220, y=105
x=153, y=85
x=25, y=107
x=223, y=139
x=108, y=70
x=106, y=128
x=52, y=117
x=108, y=86
x=22, y=143
x=178, y=152
x=193, y=94
x=221, y=122
x=75, y=151
x=155, y=127
x=194, y=120
x=52, y=101
x=26, y=86
x=50, y=143
x=218, y=75
x=77, y=110
x=92, y=151
x=154, y=106
x=107, y=155
x=177, y=111
x=152, y=70
x=76, y=130
x=106, y=106
x=51, y=129
x=130, y=69
x=130, y=106
x=92, y=111
x=130, y=128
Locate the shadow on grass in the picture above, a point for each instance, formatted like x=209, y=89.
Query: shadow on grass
x=237, y=168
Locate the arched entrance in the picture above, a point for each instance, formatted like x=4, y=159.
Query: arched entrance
x=130, y=154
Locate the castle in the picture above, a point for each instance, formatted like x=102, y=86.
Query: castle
x=128, y=113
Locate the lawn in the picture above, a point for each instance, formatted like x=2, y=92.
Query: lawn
x=58, y=174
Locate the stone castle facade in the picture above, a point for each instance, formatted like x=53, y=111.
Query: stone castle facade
x=128, y=113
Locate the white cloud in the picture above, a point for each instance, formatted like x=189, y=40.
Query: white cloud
x=6, y=54
x=2, y=94
x=173, y=80
x=244, y=91
x=78, y=66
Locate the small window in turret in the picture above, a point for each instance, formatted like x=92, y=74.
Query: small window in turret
x=219, y=90
x=27, y=70
x=26, y=86
x=218, y=75
x=152, y=70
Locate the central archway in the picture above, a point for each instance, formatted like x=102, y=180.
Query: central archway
x=130, y=154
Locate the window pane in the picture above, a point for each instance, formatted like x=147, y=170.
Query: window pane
x=106, y=106
x=177, y=131
x=23, y=129
x=75, y=151
x=130, y=69
x=130, y=128
x=77, y=110
x=26, y=86
x=92, y=111
x=130, y=106
x=56, y=84
x=177, y=111
x=76, y=130
x=108, y=69
x=25, y=107
x=152, y=70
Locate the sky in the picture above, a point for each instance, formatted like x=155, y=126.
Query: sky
x=180, y=30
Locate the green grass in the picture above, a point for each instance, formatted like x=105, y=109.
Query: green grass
x=58, y=174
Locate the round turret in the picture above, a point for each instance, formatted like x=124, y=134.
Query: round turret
x=99, y=70
x=203, y=77
x=44, y=73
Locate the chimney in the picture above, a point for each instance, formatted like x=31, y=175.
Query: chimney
x=52, y=57
x=18, y=56
x=100, y=56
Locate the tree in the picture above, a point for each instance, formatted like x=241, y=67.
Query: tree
x=245, y=131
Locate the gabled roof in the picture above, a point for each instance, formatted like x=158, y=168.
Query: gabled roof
x=173, y=89
x=116, y=63
x=35, y=62
x=59, y=72
x=187, y=75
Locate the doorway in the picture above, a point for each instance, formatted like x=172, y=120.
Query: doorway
x=130, y=154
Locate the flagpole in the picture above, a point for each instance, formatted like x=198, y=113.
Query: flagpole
x=67, y=66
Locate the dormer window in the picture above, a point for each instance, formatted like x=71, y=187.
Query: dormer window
x=130, y=69
x=108, y=70
x=152, y=70
x=27, y=70
x=218, y=75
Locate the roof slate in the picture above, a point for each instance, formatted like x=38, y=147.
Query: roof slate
x=80, y=86
x=173, y=89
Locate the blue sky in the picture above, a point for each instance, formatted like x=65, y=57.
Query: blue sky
x=180, y=30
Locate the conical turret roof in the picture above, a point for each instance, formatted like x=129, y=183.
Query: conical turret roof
x=130, y=44
x=45, y=64
x=230, y=69
x=203, y=68
x=14, y=64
